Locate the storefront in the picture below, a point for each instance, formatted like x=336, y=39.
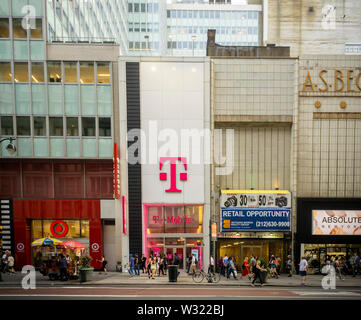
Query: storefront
x=174, y=229
x=77, y=220
x=328, y=229
x=255, y=223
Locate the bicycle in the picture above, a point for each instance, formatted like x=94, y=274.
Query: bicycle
x=211, y=277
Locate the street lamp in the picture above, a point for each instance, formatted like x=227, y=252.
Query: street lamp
x=170, y=36
x=193, y=38
x=10, y=147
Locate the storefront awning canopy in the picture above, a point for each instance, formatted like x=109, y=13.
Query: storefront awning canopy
x=46, y=242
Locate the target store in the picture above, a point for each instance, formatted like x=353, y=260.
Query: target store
x=77, y=220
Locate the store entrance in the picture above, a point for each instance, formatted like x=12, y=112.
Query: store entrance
x=255, y=251
x=170, y=253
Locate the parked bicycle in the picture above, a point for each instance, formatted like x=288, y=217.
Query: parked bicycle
x=199, y=276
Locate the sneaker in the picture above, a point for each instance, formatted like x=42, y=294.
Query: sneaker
x=252, y=284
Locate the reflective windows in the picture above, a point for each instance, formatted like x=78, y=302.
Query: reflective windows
x=86, y=72
x=5, y=72
x=23, y=126
x=4, y=28
x=72, y=127
x=39, y=126
x=56, y=126
x=18, y=30
x=103, y=73
x=37, y=72
x=71, y=72
x=7, y=126
x=37, y=33
x=88, y=127
x=104, y=127
x=54, y=72
x=21, y=73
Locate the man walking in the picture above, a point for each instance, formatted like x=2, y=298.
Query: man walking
x=211, y=265
x=303, y=270
x=225, y=265
x=356, y=264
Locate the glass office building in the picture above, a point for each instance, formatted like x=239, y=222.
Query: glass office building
x=180, y=27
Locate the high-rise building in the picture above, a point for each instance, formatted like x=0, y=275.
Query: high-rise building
x=180, y=27
x=58, y=98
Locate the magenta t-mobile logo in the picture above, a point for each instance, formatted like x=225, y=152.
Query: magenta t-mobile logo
x=173, y=172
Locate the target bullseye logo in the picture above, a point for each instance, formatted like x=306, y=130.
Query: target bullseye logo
x=95, y=246
x=20, y=246
x=59, y=229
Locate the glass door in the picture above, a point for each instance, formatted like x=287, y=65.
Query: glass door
x=171, y=251
x=255, y=251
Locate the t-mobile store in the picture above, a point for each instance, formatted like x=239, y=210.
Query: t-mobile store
x=174, y=200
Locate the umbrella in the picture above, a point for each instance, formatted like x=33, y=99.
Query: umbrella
x=45, y=242
x=71, y=244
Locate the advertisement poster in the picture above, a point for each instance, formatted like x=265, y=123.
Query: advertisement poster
x=195, y=253
x=336, y=222
x=255, y=210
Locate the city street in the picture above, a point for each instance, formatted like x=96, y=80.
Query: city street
x=115, y=285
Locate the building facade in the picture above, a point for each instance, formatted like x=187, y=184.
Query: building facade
x=58, y=100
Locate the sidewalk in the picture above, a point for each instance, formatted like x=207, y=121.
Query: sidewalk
x=116, y=278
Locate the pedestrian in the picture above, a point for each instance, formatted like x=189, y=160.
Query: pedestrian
x=176, y=262
x=252, y=263
x=231, y=268
x=289, y=265
x=143, y=263
x=161, y=265
x=356, y=264
x=225, y=264
x=303, y=270
x=257, y=273
x=193, y=264
x=149, y=260
x=211, y=268
x=339, y=268
x=104, y=265
x=165, y=264
x=278, y=265
x=132, y=264
x=188, y=263
x=137, y=263
x=272, y=266
x=11, y=264
x=153, y=267
x=245, y=269
x=5, y=262
x=220, y=265
x=63, y=268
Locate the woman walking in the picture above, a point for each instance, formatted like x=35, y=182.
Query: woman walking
x=272, y=265
x=153, y=267
x=148, y=263
x=257, y=273
x=245, y=268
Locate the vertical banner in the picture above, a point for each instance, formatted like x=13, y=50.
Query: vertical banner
x=124, y=210
x=116, y=172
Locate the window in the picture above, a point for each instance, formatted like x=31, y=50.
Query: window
x=130, y=7
x=142, y=7
x=71, y=72
x=131, y=45
x=103, y=73
x=88, y=127
x=143, y=27
x=5, y=72
x=155, y=7
x=150, y=7
x=7, y=126
x=23, y=126
x=4, y=28
x=37, y=72
x=54, y=72
x=18, y=30
x=87, y=72
x=21, y=72
x=130, y=26
x=136, y=7
x=37, y=33
x=56, y=126
x=39, y=126
x=104, y=127
x=72, y=129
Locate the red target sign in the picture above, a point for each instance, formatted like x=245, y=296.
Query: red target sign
x=59, y=228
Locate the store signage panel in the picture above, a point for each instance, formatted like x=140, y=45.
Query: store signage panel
x=255, y=210
x=336, y=222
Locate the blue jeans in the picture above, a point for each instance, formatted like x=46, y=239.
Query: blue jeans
x=229, y=272
x=131, y=271
x=137, y=270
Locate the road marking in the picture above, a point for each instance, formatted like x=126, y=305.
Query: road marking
x=330, y=293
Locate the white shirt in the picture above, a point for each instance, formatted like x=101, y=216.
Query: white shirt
x=212, y=261
x=303, y=265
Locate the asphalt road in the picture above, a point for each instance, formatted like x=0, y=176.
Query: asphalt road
x=177, y=293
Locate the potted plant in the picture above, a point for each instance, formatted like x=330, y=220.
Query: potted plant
x=85, y=269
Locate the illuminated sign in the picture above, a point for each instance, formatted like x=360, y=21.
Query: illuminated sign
x=173, y=172
x=116, y=172
x=59, y=228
